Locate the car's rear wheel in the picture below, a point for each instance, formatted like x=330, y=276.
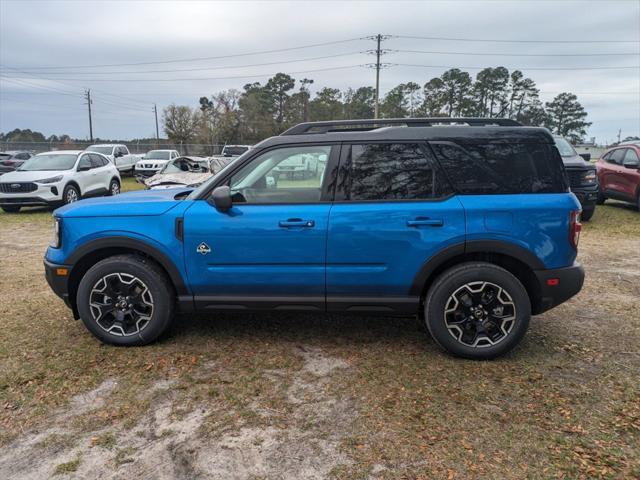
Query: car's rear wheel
x=114, y=187
x=11, y=209
x=70, y=194
x=477, y=310
x=126, y=300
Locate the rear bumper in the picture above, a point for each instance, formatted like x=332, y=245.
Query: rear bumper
x=565, y=283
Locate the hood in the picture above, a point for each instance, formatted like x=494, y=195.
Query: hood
x=131, y=204
x=577, y=161
x=177, y=179
x=31, y=176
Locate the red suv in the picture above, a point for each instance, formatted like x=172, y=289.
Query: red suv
x=619, y=174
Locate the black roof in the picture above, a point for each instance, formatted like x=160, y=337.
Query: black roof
x=432, y=129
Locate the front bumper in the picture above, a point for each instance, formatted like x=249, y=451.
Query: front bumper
x=146, y=172
x=587, y=196
x=58, y=283
x=45, y=194
x=557, y=286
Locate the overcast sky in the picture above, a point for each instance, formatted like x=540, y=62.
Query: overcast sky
x=79, y=34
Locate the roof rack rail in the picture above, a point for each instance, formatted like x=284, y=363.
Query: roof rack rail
x=372, y=124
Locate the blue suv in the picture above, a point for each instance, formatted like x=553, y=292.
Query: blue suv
x=468, y=223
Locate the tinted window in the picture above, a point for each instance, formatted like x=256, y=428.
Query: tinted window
x=96, y=161
x=85, y=162
x=502, y=168
x=284, y=175
x=616, y=156
x=23, y=156
x=100, y=149
x=630, y=157
x=390, y=171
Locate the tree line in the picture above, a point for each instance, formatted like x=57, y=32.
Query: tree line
x=261, y=110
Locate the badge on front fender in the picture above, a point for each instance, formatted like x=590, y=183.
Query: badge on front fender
x=203, y=249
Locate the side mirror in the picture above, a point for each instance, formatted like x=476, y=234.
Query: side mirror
x=84, y=168
x=117, y=155
x=221, y=198
x=586, y=156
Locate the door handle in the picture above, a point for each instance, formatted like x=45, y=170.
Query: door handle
x=425, y=222
x=296, y=222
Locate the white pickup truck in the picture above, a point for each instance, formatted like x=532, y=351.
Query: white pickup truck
x=118, y=154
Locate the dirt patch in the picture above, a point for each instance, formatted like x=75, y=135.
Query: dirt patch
x=168, y=444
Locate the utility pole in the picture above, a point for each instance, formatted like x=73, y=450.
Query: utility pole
x=378, y=52
x=377, y=107
x=619, y=133
x=155, y=111
x=87, y=96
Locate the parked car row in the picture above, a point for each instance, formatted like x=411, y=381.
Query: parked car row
x=58, y=178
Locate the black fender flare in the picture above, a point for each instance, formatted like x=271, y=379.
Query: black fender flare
x=474, y=246
x=131, y=244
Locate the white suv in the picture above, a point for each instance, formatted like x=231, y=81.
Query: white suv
x=154, y=161
x=57, y=178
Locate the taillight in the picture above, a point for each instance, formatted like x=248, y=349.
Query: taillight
x=575, y=227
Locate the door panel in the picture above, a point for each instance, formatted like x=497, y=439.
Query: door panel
x=377, y=249
x=257, y=250
x=394, y=210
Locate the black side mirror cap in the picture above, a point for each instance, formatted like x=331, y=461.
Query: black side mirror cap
x=221, y=198
x=586, y=156
x=84, y=169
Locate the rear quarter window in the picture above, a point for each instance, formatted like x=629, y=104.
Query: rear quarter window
x=502, y=167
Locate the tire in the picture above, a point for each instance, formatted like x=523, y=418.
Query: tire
x=70, y=194
x=102, y=300
x=450, y=329
x=11, y=209
x=587, y=214
x=601, y=198
x=114, y=187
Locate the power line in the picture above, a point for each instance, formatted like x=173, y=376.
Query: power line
x=518, y=54
x=203, y=68
x=197, y=59
x=200, y=79
x=22, y=82
x=517, y=68
x=451, y=39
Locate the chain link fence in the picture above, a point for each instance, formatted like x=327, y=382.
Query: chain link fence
x=197, y=149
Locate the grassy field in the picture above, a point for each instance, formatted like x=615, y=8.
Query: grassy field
x=307, y=396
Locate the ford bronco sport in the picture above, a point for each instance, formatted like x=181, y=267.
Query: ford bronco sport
x=467, y=223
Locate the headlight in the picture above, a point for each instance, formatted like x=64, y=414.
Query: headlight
x=56, y=233
x=50, y=180
x=589, y=177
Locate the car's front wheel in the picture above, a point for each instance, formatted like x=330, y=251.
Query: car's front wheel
x=126, y=300
x=587, y=213
x=70, y=194
x=601, y=198
x=114, y=187
x=477, y=310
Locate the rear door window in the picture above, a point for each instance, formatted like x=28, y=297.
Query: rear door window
x=630, y=157
x=502, y=167
x=390, y=171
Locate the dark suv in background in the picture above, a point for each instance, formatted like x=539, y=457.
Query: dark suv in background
x=582, y=176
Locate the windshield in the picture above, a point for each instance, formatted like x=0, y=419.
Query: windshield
x=46, y=161
x=184, y=166
x=157, y=155
x=233, y=151
x=565, y=148
x=193, y=195
x=99, y=149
